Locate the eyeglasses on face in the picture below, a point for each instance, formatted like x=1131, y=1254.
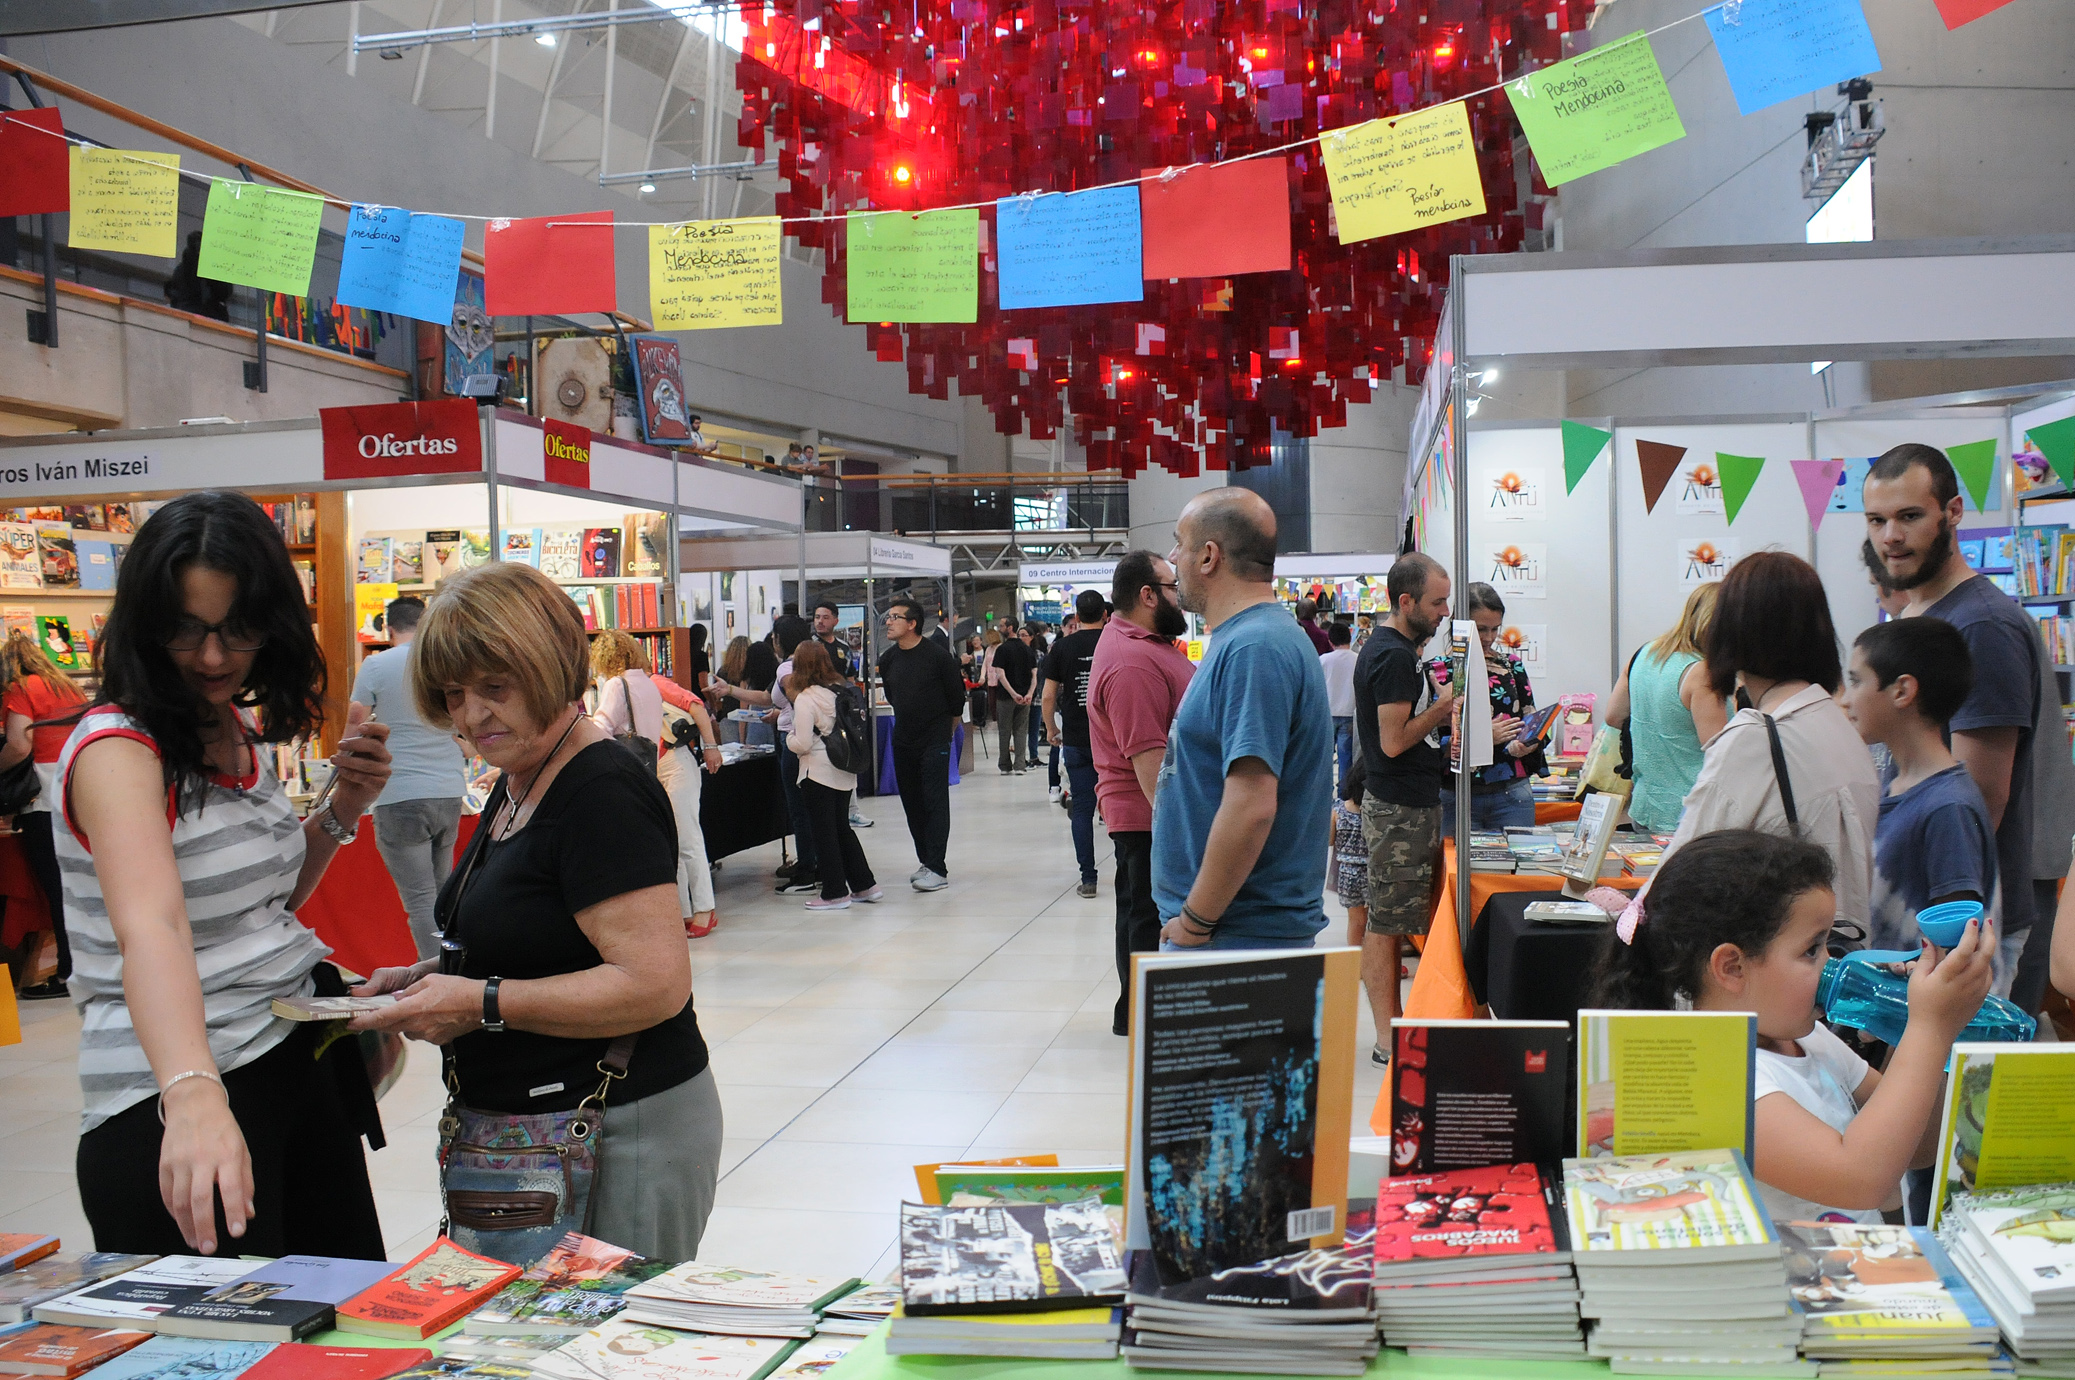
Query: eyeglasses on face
x=189, y=634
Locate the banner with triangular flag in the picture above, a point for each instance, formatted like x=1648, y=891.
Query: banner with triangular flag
x=2056, y=441
x=1818, y=481
x=1660, y=462
x=1581, y=446
x=1975, y=463
x=1739, y=473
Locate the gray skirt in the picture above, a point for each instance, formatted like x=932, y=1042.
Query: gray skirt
x=658, y=1164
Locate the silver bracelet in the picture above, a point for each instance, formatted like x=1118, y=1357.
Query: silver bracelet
x=179, y=1078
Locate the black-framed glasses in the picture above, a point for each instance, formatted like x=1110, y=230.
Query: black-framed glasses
x=189, y=634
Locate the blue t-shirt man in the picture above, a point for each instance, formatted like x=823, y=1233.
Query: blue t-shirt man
x=1259, y=693
x=1933, y=841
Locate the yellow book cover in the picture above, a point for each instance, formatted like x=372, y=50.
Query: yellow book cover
x=1700, y=1200
x=2007, y=1113
x=1658, y=1082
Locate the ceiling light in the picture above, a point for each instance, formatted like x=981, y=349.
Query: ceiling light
x=544, y=40
x=647, y=187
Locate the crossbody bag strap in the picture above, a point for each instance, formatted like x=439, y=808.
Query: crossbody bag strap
x=1779, y=771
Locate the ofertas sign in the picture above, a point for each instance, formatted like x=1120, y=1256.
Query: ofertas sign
x=567, y=450
x=390, y=440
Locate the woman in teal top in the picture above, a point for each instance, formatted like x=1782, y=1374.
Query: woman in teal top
x=1670, y=713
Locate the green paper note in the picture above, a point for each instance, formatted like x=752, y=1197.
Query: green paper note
x=261, y=237
x=2056, y=441
x=1581, y=446
x=1739, y=473
x=1975, y=462
x=903, y=267
x=1595, y=110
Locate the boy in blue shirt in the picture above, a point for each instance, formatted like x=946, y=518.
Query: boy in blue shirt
x=1934, y=842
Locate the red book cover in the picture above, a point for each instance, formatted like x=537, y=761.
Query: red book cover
x=301, y=1361
x=652, y=605
x=51, y=1349
x=428, y=1294
x=1495, y=1211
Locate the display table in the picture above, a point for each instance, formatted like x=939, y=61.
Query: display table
x=870, y=1362
x=742, y=806
x=882, y=732
x=1529, y=972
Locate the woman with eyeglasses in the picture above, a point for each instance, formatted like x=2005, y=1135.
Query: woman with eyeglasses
x=210, y=1125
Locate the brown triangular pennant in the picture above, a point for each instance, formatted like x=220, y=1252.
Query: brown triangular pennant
x=1660, y=462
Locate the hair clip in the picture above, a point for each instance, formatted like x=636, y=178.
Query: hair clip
x=1631, y=919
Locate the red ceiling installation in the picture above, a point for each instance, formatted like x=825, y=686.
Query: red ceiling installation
x=878, y=104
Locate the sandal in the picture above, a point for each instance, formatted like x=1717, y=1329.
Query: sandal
x=694, y=930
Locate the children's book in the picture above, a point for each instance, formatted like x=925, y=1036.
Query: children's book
x=1665, y=1081
x=964, y=1185
x=441, y=1284
x=442, y=555
x=79, y=515
x=1694, y=1205
x=55, y=1349
x=600, y=553
x=522, y=545
x=54, y=1277
x=137, y=1297
x=54, y=634
x=377, y=560
x=281, y=1301
x=561, y=553
x=2006, y=1120
x=19, y=1248
x=1469, y=1093
x=1857, y=1286
x=96, y=563
x=119, y=519
x=19, y=618
x=2028, y=1235
x=475, y=547
x=574, y=1287
x=1499, y=1214
x=926, y=1174
x=58, y=556
x=21, y=565
x=1008, y=1257
x=407, y=562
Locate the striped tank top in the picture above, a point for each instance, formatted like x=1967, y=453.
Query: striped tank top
x=239, y=852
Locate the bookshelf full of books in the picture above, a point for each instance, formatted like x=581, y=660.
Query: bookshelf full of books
x=57, y=573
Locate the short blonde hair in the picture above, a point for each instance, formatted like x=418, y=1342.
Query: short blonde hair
x=500, y=619
x=1690, y=633
x=614, y=651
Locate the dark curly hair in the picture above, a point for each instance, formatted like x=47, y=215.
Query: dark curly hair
x=1734, y=886
x=226, y=532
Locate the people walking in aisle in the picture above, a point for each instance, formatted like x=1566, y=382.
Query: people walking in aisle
x=1670, y=711
x=1502, y=795
x=1913, y=510
x=1339, y=668
x=1067, y=668
x=418, y=818
x=1400, y=715
x=923, y=686
x=812, y=686
x=1771, y=640
x=698, y=662
x=207, y=1125
x=1016, y=685
x=1135, y=684
x=41, y=703
x=1307, y=619
x=1247, y=789
x=566, y=951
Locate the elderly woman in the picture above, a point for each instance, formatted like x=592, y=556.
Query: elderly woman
x=560, y=928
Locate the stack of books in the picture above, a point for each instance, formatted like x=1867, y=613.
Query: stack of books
x=579, y=1285
x=730, y=1300
x=56, y=1276
x=1040, y=1280
x=2016, y=1246
x=1489, y=853
x=859, y=1314
x=1474, y=1262
x=1538, y=848
x=1881, y=1301
x=1679, y=1272
x=1304, y=1314
x=625, y=1350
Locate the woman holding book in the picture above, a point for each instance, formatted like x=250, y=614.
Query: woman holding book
x=203, y=1127
x=38, y=693
x=561, y=930
x=1503, y=793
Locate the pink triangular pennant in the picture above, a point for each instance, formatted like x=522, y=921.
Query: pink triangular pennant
x=1818, y=481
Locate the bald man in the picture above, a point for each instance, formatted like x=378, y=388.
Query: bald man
x=1246, y=792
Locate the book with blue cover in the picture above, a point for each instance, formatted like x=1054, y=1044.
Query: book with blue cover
x=1868, y=1289
x=96, y=563
x=183, y=1358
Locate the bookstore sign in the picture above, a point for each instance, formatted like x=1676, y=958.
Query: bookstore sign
x=400, y=440
x=283, y=458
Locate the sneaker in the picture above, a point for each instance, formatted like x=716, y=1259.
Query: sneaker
x=819, y=903
x=786, y=869
x=799, y=882
x=860, y=822
x=1055, y=795
x=1379, y=1057
x=1085, y=889
x=871, y=897
x=45, y=991
x=930, y=881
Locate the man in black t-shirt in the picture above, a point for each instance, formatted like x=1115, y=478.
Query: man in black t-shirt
x=825, y=633
x=927, y=694
x=1066, y=697
x=1016, y=666
x=1399, y=716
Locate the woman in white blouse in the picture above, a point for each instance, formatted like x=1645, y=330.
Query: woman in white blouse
x=825, y=788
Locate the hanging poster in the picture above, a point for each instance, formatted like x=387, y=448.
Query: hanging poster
x=469, y=339
x=1703, y=560
x=1595, y=110
x=1518, y=570
x=1514, y=493
x=1404, y=173
x=126, y=200
x=902, y=267
x=660, y=375
x=714, y=273
x=1697, y=487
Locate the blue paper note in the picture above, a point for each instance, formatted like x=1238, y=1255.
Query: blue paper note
x=1779, y=49
x=399, y=261
x=1070, y=250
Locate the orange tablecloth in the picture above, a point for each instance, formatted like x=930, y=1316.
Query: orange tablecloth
x=1553, y=811
x=357, y=911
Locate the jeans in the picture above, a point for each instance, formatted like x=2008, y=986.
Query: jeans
x=679, y=772
x=34, y=828
x=1491, y=811
x=843, y=866
x=1138, y=919
x=795, y=808
x=1015, y=733
x=924, y=776
x=1051, y=769
x=416, y=840
x=1343, y=743
x=1080, y=773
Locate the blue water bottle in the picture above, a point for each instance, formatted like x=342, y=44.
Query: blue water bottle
x=1856, y=993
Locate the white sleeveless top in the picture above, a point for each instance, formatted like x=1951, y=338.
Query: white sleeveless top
x=239, y=853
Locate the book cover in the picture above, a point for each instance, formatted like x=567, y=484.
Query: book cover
x=441, y=555
x=53, y=1277
x=141, y=1295
x=377, y=560
x=77, y=515
x=182, y=1358
x=1855, y=1283
x=57, y=555
x=432, y=1291
x=816, y=1358
x=633, y=1351
x=659, y=384
x=926, y=1174
x=647, y=537
x=1315, y=1283
x=1698, y=1200
x=18, y=1248
x=119, y=519
x=1665, y=1081
x=600, y=553
x=561, y=555
x=732, y=1286
x=2030, y=1234
x=1497, y=1211
x=970, y=1185
x=1240, y=1104
x=522, y=545
x=1470, y=1093
x=292, y=1361
x=2005, y=1120
x=306, y=574
x=407, y=562
x=573, y=1288
x=1008, y=1257
x=96, y=563
x=475, y=547
x=19, y=618
x=305, y=519
x=329, y=1009
x=54, y=634
x=21, y=565
x=55, y=1349
x=371, y=611
x=281, y=1301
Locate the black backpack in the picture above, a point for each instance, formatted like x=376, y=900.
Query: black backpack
x=849, y=743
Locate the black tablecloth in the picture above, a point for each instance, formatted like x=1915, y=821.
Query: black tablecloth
x=1525, y=971
x=742, y=806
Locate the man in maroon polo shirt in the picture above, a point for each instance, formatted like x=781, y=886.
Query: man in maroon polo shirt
x=1135, y=684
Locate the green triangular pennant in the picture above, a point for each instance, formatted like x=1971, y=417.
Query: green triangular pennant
x=1581, y=446
x=1975, y=463
x=2056, y=441
x=1739, y=473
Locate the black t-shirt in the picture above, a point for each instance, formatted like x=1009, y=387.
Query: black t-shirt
x=1388, y=672
x=698, y=664
x=1068, y=664
x=840, y=656
x=1015, y=662
x=926, y=692
x=603, y=829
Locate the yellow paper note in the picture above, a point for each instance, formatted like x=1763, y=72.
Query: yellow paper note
x=126, y=200
x=1393, y=175
x=705, y=274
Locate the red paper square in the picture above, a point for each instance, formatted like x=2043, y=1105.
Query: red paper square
x=549, y=265
x=35, y=165
x=1958, y=12
x=1214, y=221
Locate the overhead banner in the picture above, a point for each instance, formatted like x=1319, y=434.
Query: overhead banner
x=396, y=440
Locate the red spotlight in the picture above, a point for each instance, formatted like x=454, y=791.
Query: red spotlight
x=903, y=174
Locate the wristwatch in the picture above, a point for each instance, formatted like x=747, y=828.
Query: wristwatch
x=491, y=1019
x=329, y=823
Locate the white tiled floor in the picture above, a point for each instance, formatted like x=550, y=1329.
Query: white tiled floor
x=849, y=1046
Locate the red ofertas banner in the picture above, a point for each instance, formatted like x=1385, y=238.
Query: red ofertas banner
x=568, y=453
x=386, y=440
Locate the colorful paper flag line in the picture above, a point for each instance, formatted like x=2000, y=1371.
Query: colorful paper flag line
x=1581, y=446
x=1975, y=463
x=1739, y=475
x=2056, y=441
x=1818, y=481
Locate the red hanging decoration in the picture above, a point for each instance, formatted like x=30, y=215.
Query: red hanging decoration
x=909, y=104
